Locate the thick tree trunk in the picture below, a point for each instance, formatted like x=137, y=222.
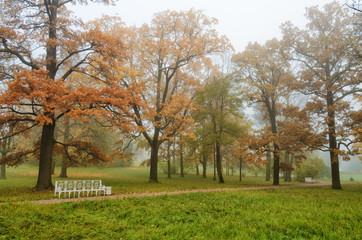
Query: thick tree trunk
x=47, y=137
x=45, y=163
x=218, y=163
x=63, y=173
x=2, y=168
x=336, y=182
x=181, y=161
x=271, y=106
x=276, y=165
x=240, y=167
x=53, y=166
x=3, y=171
x=154, y=161
x=197, y=169
x=268, y=166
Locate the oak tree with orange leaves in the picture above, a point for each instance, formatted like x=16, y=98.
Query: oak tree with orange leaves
x=266, y=77
x=167, y=56
x=42, y=48
x=329, y=55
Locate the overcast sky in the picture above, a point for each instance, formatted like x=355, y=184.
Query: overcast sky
x=242, y=21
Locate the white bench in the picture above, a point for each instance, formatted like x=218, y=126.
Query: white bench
x=79, y=186
x=309, y=180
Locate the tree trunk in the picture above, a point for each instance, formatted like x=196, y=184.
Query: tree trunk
x=63, y=172
x=174, y=169
x=168, y=160
x=197, y=169
x=45, y=163
x=271, y=106
x=240, y=167
x=268, y=166
x=154, y=161
x=53, y=160
x=336, y=183
x=3, y=171
x=181, y=160
x=214, y=179
x=204, y=163
x=47, y=137
x=218, y=163
x=276, y=165
x=288, y=172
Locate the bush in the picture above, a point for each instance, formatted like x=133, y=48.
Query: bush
x=311, y=167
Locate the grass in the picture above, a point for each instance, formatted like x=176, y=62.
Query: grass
x=20, y=181
x=309, y=213
x=300, y=213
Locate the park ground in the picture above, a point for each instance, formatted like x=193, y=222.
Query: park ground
x=316, y=212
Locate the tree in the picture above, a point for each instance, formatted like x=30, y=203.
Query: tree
x=266, y=76
x=219, y=110
x=167, y=56
x=311, y=167
x=328, y=53
x=42, y=47
x=5, y=148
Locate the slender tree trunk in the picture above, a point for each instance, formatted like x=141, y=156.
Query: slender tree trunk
x=181, y=160
x=197, y=170
x=63, y=172
x=204, y=164
x=288, y=172
x=240, y=167
x=218, y=163
x=168, y=160
x=268, y=165
x=45, y=163
x=53, y=160
x=214, y=163
x=336, y=182
x=174, y=168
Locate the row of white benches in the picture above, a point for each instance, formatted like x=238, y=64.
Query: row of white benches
x=79, y=187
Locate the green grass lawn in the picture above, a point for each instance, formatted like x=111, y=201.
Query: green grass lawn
x=302, y=213
x=20, y=181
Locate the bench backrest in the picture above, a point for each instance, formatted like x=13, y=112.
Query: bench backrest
x=78, y=184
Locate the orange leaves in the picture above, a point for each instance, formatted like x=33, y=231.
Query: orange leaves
x=42, y=100
x=82, y=153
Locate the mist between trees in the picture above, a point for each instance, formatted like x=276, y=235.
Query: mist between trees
x=98, y=92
